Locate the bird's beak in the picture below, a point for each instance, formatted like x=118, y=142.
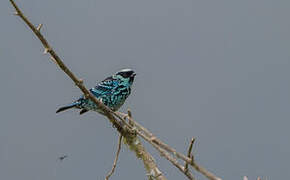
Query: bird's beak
x=134, y=74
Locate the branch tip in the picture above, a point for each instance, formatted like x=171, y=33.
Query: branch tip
x=116, y=158
x=190, y=147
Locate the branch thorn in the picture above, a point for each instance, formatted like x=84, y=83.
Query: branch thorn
x=153, y=138
x=129, y=113
x=52, y=58
x=79, y=82
x=39, y=27
x=130, y=117
x=46, y=50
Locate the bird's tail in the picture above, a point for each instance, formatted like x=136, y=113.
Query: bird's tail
x=68, y=107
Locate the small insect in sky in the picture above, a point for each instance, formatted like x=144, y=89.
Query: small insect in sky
x=61, y=158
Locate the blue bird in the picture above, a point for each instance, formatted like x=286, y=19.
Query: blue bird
x=113, y=91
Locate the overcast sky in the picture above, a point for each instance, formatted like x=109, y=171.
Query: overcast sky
x=217, y=70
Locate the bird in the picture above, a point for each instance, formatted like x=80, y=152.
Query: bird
x=112, y=92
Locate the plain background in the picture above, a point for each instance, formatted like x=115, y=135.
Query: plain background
x=215, y=70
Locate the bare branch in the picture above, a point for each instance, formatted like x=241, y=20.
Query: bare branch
x=148, y=137
x=153, y=140
x=127, y=131
x=116, y=158
x=157, y=141
x=131, y=139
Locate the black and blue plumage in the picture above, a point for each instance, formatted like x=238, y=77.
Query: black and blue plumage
x=113, y=91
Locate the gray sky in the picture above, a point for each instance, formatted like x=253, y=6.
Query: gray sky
x=215, y=70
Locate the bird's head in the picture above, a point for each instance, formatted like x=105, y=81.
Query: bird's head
x=126, y=75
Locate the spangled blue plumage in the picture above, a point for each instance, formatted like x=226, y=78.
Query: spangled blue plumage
x=112, y=91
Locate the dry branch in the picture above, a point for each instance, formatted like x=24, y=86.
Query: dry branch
x=127, y=130
x=155, y=142
x=131, y=138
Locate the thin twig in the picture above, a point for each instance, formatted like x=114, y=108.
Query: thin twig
x=116, y=158
x=174, y=162
x=189, y=153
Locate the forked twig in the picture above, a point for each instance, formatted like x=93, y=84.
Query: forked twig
x=174, y=162
x=153, y=140
x=116, y=158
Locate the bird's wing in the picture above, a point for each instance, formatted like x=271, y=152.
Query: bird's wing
x=105, y=88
